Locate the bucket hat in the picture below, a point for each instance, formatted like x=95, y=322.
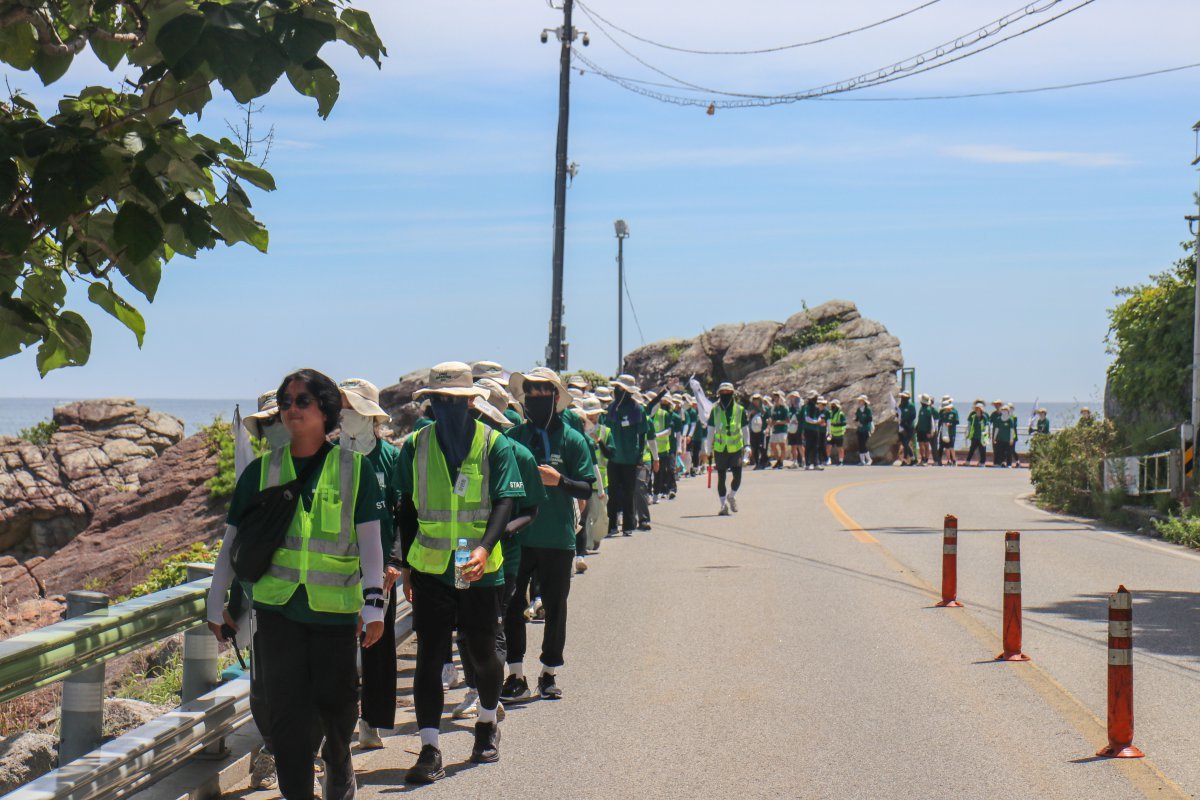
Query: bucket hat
x=268, y=407
x=451, y=378
x=626, y=382
x=518, y=380
x=493, y=415
x=363, y=397
x=489, y=369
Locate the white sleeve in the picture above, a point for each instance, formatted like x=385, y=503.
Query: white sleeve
x=746, y=434
x=370, y=549
x=222, y=578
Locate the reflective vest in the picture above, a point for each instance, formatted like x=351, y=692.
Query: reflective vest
x=320, y=548
x=662, y=443
x=837, y=424
x=445, y=516
x=728, y=429
x=601, y=459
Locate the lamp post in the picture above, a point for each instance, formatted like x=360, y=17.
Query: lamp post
x=622, y=234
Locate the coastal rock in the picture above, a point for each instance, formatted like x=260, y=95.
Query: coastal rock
x=37, y=514
x=829, y=349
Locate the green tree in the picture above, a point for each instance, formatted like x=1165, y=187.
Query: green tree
x=112, y=185
x=1150, y=335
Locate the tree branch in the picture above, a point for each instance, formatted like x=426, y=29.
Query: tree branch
x=52, y=44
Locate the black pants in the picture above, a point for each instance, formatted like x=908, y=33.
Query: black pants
x=554, y=568
x=697, y=449
x=622, y=488
x=436, y=609
x=728, y=462
x=863, y=450
x=977, y=444
x=662, y=478
x=506, y=596
x=645, y=484
x=378, y=699
x=906, y=444
x=812, y=448
x=1001, y=454
x=758, y=450
x=309, y=677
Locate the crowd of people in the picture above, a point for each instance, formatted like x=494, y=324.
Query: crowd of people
x=479, y=517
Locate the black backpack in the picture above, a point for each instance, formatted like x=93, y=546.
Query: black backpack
x=265, y=522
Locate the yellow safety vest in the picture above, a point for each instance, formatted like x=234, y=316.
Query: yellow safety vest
x=445, y=516
x=661, y=443
x=320, y=549
x=728, y=437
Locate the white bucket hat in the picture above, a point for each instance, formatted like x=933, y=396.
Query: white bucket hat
x=493, y=414
x=725, y=387
x=452, y=378
x=489, y=369
x=268, y=407
x=591, y=405
x=626, y=382
x=518, y=380
x=363, y=397
x=604, y=393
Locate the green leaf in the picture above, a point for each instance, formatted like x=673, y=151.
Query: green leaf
x=126, y=314
x=305, y=37
x=15, y=236
x=358, y=31
x=15, y=333
x=237, y=225
x=18, y=45
x=69, y=343
x=254, y=174
x=61, y=182
x=50, y=68
x=316, y=79
x=176, y=40
x=143, y=276
x=110, y=53
x=8, y=179
x=137, y=231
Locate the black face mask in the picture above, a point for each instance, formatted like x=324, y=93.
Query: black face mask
x=726, y=400
x=454, y=427
x=618, y=396
x=540, y=410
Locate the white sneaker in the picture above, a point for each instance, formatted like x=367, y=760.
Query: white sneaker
x=262, y=771
x=368, y=737
x=451, y=677
x=732, y=504
x=534, y=607
x=469, y=707
x=580, y=565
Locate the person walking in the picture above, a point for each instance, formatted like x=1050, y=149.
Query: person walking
x=1042, y=424
x=595, y=526
x=977, y=424
x=728, y=432
x=813, y=431
x=864, y=418
x=948, y=434
x=795, y=438
x=908, y=421
x=925, y=429
x=322, y=582
x=759, y=432
x=837, y=432
x=548, y=544
x=459, y=486
x=627, y=425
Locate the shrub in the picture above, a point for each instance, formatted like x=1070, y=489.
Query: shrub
x=220, y=443
x=817, y=333
x=160, y=685
x=1183, y=529
x=593, y=378
x=778, y=351
x=173, y=570
x=40, y=433
x=1066, y=469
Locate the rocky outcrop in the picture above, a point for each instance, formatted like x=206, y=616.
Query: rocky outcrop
x=37, y=513
x=26, y=757
x=829, y=349
x=397, y=400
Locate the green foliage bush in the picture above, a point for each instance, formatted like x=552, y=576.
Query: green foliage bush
x=220, y=443
x=1066, y=469
x=159, y=685
x=594, y=378
x=817, y=333
x=40, y=433
x=1181, y=529
x=173, y=571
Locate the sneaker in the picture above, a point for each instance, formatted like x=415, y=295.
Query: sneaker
x=653, y=499
x=500, y=713
x=645, y=526
x=724, y=512
x=262, y=770
x=514, y=689
x=547, y=688
x=580, y=565
x=627, y=533
x=469, y=707
x=368, y=737
x=428, y=767
x=451, y=677
x=534, y=607
x=733, y=504
x=487, y=743
x=671, y=496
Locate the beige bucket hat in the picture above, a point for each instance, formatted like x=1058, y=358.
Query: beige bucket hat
x=452, y=378
x=268, y=407
x=728, y=387
x=489, y=369
x=590, y=406
x=604, y=393
x=626, y=382
x=491, y=413
x=497, y=395
x=363, y=397
x=518, y=380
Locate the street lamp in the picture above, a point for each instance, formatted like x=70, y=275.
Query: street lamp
x=622, y=229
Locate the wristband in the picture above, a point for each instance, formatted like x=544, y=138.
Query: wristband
x=372, y=590
x=375, y=602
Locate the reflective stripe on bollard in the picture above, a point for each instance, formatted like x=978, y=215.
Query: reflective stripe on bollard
x=1012, y=599
x=1120, y=677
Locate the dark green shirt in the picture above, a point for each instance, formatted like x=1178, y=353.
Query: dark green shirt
x=627, y=424
x=865, y=418
x=925, y=419
x=535, y=495
x=504, y=481
x=949, y=418
x=570, y=454
x=385, y=460
x=369, y=506
x=779, y=417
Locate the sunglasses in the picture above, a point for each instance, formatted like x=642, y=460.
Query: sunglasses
x=303, y=400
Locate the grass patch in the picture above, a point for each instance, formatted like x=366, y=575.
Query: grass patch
x=1181, y=529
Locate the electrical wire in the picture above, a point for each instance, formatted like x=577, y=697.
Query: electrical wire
x=594, y=16
x=936, y=57
x=629, y=298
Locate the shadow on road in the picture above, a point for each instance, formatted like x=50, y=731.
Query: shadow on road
x=1164, y=622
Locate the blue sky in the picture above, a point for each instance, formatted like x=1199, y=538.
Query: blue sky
x=414, y=226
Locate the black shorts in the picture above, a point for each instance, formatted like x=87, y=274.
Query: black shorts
x=838, y=441
x=796, y=439
x=927, y=436
x=437, y=606
x=727, y=461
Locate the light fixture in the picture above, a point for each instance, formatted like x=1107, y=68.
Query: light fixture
x=622, y=229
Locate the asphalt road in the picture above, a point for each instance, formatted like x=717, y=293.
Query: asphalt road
x=791, y=651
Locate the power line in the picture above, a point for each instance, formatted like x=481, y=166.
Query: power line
x=595, y=16
x=923, y=62
x=636, y=321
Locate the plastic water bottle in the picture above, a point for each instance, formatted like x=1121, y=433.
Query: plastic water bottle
x=461, y=556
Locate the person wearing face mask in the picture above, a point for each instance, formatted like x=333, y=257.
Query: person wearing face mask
x=728, y=432
x=322, y=583
x=459, y=479
x=865, y=419
x=600, y=439
x=548, y=544
x=627, y=424
x=361, y=419
x=1002, y=437
x=265, y=424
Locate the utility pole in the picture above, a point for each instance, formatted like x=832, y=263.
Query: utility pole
x=566, y=35
x=1195, y=329
x=622, y=234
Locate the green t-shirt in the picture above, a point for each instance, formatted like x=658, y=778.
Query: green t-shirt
x=573, y=419
x=535, y=495
x=369, y=506
x=925, y=419
x=625, y=421
x=865, y=418
x=950, y=419
x=505, y=481
x=385, y=459
x=779, y=417
x=513, y=416
x=570, y=455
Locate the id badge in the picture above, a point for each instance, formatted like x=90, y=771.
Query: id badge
x=625, y=422
x=460, y=485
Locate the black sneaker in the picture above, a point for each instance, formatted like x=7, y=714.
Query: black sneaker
x=487, y=743
x=671, y=496
x=645, y=526
x=514, y=689
x=428, y=767
x=547, y=688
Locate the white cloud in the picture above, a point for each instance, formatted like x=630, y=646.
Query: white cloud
x=1006, y=154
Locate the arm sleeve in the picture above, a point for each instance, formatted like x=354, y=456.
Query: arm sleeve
x=222, y=578
x=370, y=552
x=577, y=490
x=407, y=526
x=502, y=510
x=745, y=433
x=520, y=520
x=650, y=406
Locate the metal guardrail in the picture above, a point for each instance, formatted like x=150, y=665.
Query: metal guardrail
x=1154, y=473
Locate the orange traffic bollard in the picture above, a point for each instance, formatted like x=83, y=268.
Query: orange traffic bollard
x=710, y=476
x=1012, y=599
x=950, y=563
x=1120, y=677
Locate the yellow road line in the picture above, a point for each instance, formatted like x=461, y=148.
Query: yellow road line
x=1142, y=773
